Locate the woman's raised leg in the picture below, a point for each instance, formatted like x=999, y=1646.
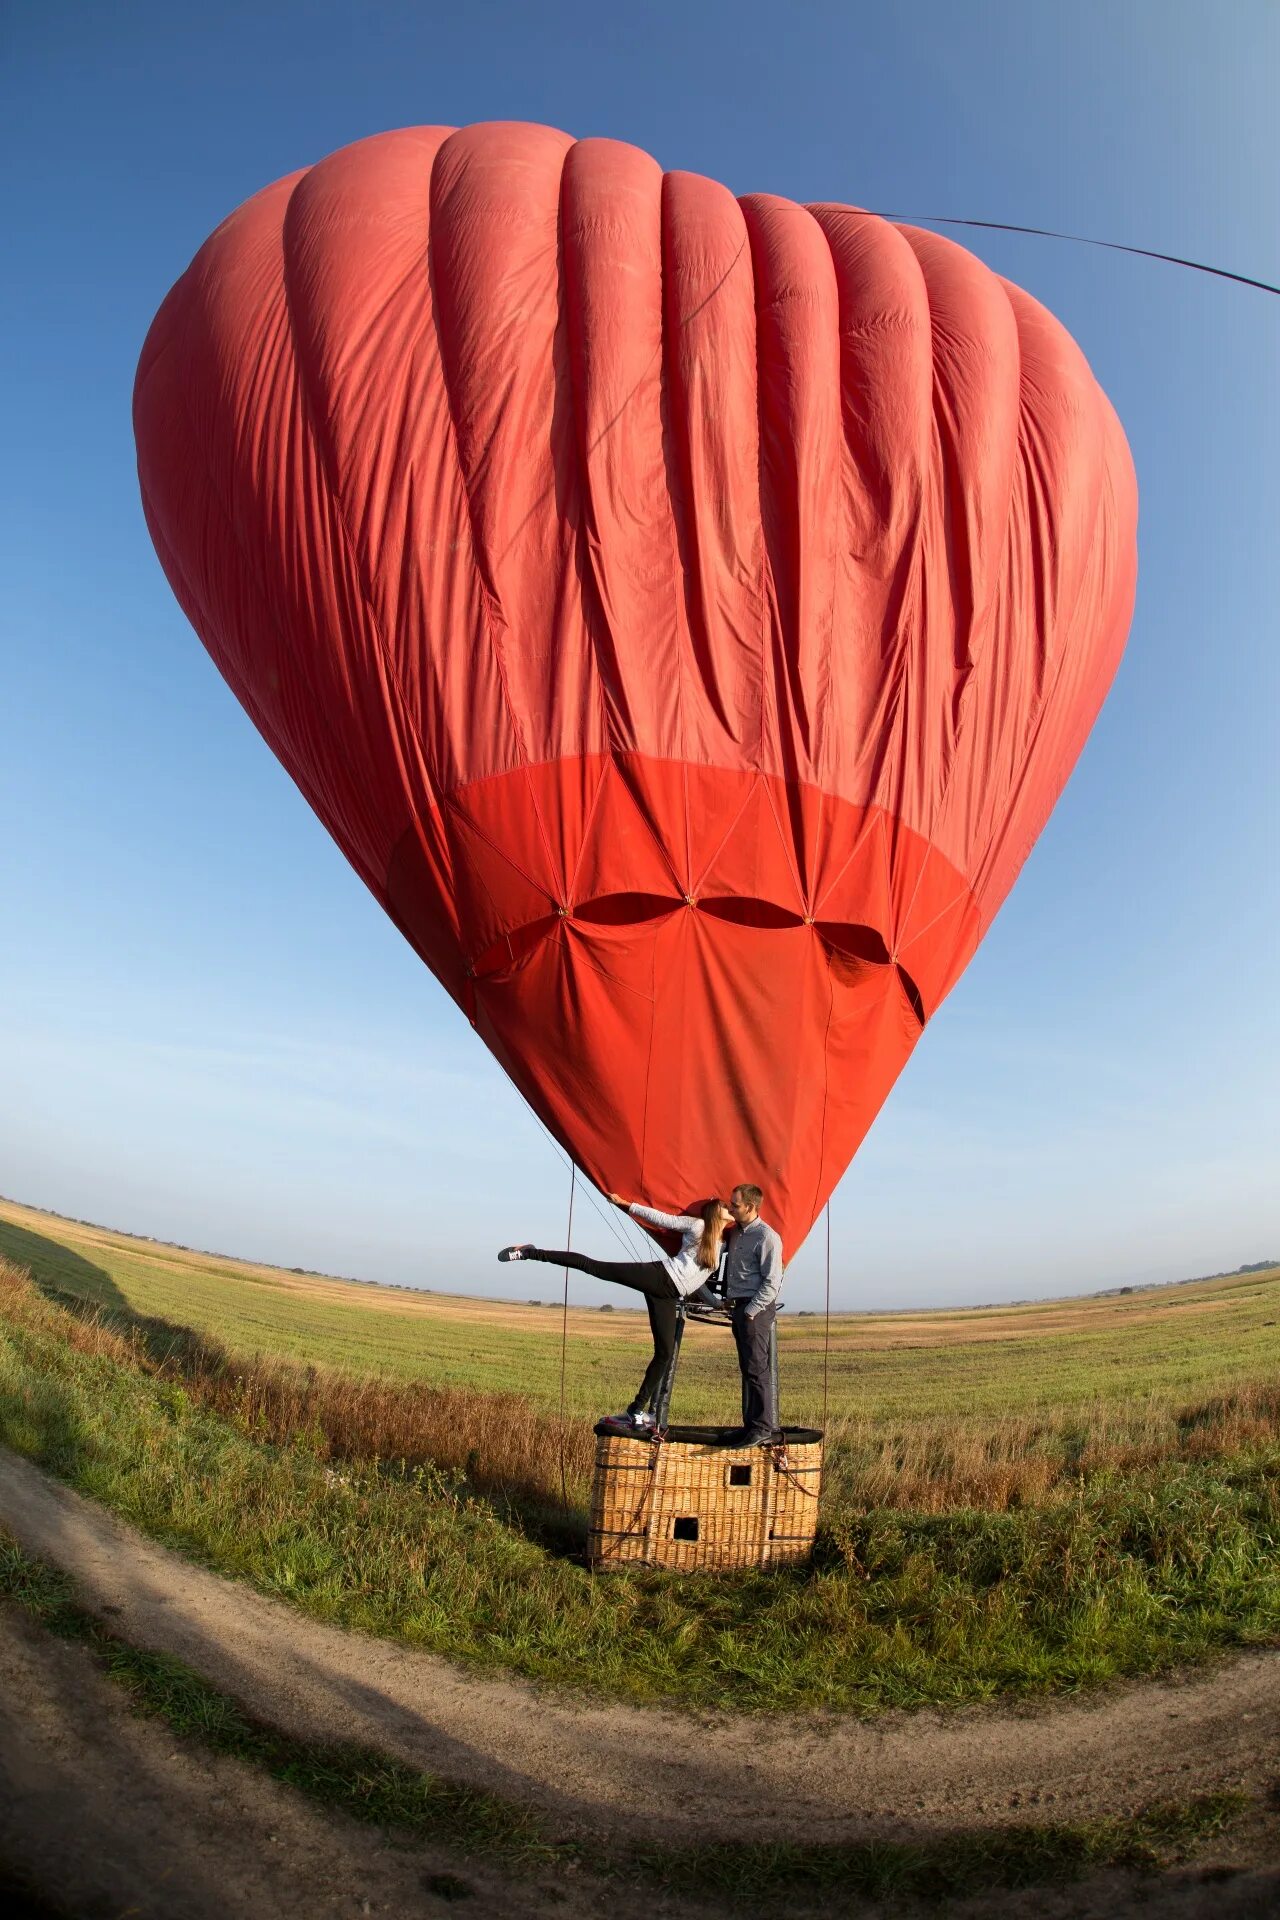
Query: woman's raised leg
x=643, y=1275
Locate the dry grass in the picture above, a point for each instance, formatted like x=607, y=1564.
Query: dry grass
x=936, y=1466
x=508, y=1448
x=501, y=1443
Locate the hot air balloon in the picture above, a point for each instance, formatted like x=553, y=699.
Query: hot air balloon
x=683, y=611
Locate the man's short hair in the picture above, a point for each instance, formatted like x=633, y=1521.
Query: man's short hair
x=752, y=1195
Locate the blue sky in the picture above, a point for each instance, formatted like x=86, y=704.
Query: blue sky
x=209, y=1032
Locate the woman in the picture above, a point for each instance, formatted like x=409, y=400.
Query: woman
x=664, y=1282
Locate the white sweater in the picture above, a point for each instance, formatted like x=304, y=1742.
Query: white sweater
x=683, y=1267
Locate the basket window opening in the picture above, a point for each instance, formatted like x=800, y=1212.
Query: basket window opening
x=685, y=1528
x=739, y=1476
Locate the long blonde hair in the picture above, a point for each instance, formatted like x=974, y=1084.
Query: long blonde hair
x=708, y=1254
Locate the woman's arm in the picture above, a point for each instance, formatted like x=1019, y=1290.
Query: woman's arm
x=674, y=1222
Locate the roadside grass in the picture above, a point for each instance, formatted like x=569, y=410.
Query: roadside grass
x=369, y=1787
x=502, y=1445
x=1121, y=1573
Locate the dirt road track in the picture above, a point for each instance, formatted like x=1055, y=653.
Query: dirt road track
x=627, y=1771
x=898, y=1777
x=110, y=1816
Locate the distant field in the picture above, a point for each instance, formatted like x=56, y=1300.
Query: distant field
x=981, y=1364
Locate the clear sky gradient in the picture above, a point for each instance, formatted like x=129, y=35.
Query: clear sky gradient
x=209, y=1032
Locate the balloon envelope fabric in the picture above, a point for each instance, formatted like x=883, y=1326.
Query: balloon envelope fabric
x=683, y=611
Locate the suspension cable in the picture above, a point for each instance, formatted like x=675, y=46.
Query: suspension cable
x=637, y=1248
x=1080, y=240
x=564, y=1339
x=826, y=1329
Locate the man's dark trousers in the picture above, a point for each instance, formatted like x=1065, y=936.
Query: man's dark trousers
x=752, y=1337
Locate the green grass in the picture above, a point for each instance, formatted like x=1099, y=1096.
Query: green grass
x=956, y=1867
x=1127, y=1574
x=982, y=1364
x=367, y=1786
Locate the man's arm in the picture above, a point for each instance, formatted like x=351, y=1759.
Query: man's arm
x=770, y=1274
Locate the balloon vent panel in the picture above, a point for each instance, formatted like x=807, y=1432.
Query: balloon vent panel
x=691, y=1501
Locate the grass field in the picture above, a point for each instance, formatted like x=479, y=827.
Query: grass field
x=1024, y=1500
x=370, y=1506
x=980, y=1364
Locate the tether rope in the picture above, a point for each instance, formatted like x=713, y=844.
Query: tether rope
x=564, y=1339
x=782, y=1466
x=1081, y=240
x=826, y=1329
x=639, y=1248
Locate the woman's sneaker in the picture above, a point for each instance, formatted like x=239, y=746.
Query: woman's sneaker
x=521, y=1252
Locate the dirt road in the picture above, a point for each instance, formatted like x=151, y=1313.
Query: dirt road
x=108, y=1815
x=626, y=1771
x=897, y=1777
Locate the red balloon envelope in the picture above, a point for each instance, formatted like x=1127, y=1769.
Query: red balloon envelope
x=683, y=611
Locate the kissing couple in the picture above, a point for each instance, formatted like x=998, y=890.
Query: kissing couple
x=752, y=1286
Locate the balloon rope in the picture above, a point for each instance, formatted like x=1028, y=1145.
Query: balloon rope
x=636, y=1248
x=826, y=1334
x=564, y=1340
x=1081, y=240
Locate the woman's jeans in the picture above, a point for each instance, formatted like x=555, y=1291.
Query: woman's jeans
x=661, y=1296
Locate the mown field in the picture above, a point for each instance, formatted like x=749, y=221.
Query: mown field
x=1200, y=1337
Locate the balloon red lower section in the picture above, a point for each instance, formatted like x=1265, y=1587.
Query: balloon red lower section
x=737, y=1009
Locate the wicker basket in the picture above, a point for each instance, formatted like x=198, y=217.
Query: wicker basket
x=689, y=1500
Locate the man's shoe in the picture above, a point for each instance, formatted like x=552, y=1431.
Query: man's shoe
x=521, y=1252
x=761, y=1437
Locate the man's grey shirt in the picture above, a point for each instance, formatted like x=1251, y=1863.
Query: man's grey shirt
x=753, y=1270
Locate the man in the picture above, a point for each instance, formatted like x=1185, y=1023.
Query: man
x=753, y=1281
